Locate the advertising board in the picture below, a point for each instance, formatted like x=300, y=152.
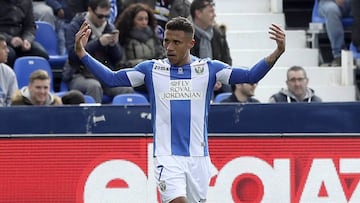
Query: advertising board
x=89, y=169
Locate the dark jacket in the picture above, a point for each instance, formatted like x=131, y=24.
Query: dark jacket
x=219, y=45
x=285, y=96
x=107, y=55
x=232, y=99
x=17, y=19
x=56, y=5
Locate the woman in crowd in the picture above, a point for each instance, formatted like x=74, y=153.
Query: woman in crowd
x=137, y=25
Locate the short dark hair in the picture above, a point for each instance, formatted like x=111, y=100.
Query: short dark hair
x=199, y=5
x=93, y=4
x=180, y=24
x=296, y=68
x=73, y=97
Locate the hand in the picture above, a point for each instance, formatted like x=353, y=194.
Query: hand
x=81, y=39
x=16, y=42
x=277, y=34
x=26, y=46
x=340, y=3
x=115, y=34
x=109, y=39
x=60, y=13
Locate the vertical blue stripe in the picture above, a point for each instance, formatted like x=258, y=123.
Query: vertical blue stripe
x=180, y=117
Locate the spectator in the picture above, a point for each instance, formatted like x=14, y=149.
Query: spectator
x=8, y=81
x=73, y=97
x=210, y=40
x=355, y=6
x=37, y=92
x=63, y=17
x=297, y=88
x=242, y=93
x=165, y=10
x=137, y=37
x=103, y=45
x=18, y=25
x=333, y=11
x=43, y=12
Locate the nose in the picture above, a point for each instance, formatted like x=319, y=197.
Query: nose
x=169, y=47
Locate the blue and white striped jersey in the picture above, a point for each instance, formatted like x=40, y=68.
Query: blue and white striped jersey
x=179, y=97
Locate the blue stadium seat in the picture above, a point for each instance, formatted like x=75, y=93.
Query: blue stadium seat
x=130, y=99
x=24, y=66
x=47, y=37
x=354, y=51
x=89, y=99
x=221, y=96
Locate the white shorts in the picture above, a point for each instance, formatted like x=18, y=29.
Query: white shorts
x=180, y=176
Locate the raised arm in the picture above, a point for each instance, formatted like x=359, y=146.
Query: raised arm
x=277, y=34
x=100, y=71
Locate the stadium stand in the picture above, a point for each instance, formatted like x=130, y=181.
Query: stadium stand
x=249, y=41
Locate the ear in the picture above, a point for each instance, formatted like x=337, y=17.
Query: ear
x=191, y=43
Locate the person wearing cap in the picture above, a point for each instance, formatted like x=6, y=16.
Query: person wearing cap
x=297, y=88
x=210, y=39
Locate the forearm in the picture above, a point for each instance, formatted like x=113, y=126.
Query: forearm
x=252, y=75
x=103, y=73
x=273, y=57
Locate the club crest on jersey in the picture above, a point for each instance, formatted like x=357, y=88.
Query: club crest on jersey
x=199, y=69
x=162, y=185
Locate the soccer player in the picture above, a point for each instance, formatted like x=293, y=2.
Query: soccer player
x=180, y=87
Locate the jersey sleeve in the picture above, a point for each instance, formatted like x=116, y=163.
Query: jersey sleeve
x=125, y=77
x=252, y=75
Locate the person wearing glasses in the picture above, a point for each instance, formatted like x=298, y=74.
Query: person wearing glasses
x=103, y=45
x=297, y=88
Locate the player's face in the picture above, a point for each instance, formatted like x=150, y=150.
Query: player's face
x=39, y=90
x=297, y=83
x=177, y=45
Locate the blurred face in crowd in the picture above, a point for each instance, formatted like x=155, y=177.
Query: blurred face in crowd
x=99, y=16
x=39, y=91
x=205, y=17
x=297, y=83
x=246, y=89
x=4, y=51
x=141, y=20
